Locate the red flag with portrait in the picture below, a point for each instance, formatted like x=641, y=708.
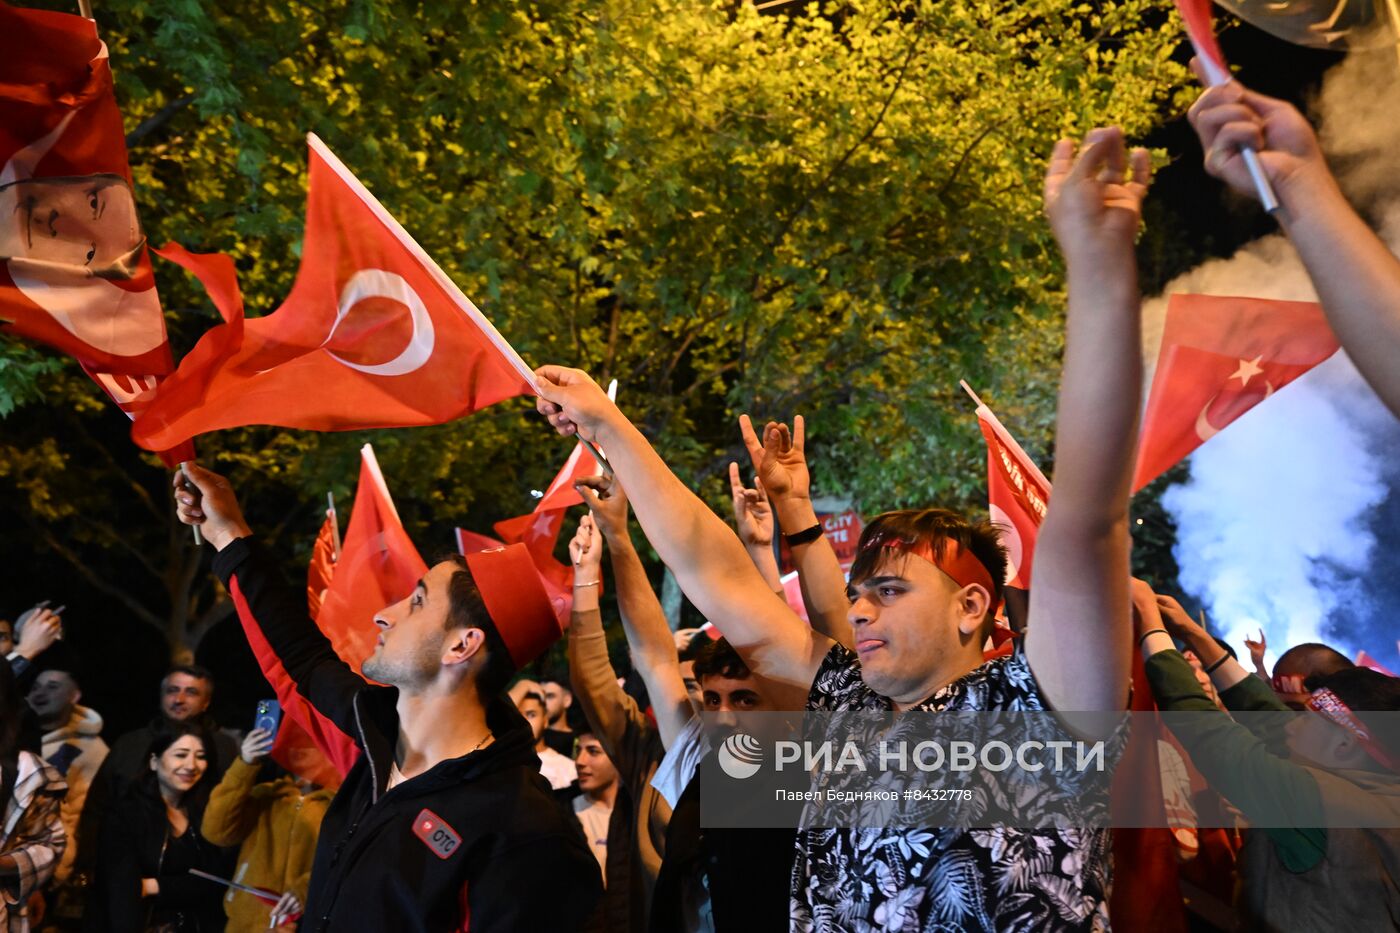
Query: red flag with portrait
x=1219, y=358
x=374, y=334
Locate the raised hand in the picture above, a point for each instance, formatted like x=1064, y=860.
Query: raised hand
x=572, y=401
x=586, y=551
x=211, y=505
x=753, y=515
x=1230, y=117
x=607, y=503
x=38, y=630
x=1257, y=649
x=779, y=460
x=1176, y=619
x=1093, y=196
x=256, y=746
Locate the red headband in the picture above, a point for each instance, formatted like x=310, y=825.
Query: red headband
x=957, y=562
x=514, y=596
x=1334, y=710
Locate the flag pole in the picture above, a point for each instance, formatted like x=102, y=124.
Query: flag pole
x=85, y=9
x=1216, y=75
x=335, y=525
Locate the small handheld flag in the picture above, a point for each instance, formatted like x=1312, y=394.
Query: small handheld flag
x=1196, y=15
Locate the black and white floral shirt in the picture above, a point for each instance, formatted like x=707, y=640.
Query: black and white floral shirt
x=946, y=878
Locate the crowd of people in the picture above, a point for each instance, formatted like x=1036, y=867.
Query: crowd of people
x=484, y=800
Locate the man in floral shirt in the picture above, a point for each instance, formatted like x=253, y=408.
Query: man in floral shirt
x=922, y=602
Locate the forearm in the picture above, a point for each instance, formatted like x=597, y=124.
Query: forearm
x=594, y=681
x=650, y=639
x=1080, y=608
x=766, y=564
x=818, y=572
x=708, y=560
x=229, y=816
x=1356, y=276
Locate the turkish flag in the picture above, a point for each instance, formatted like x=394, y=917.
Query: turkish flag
x=75, y=272
x=321, y=570
x=1017, y=493
x=469, y=542
x=1365, y=660
x=378, y=566
x=373, y=335
x=539, y=530
x=1219, y=358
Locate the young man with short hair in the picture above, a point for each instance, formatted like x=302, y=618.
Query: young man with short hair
x=928, y=585
x=558, y=770
x=558, y=700
x=444, y=822
x=594, y=806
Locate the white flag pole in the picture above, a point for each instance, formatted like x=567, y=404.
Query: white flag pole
x=198, y=536
x=1215, y=77
x=335, y=525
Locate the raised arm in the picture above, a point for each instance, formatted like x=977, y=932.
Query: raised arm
x=753, y=520
x=643, y=621
x=708, y=560
x=620, y=725
x=1079, y=635
x=1357, y=278
x=780, y=467
x=257, y=586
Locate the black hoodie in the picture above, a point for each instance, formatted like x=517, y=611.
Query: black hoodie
x=476, y=843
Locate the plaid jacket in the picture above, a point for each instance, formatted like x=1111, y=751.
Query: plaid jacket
x=33, y=834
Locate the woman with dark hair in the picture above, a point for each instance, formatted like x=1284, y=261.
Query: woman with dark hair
x=151, y=840
x=31, y=834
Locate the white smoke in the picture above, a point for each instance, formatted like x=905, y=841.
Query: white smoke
x=1275, y=525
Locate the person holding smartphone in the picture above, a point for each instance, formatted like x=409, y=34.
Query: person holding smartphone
x=275, y=821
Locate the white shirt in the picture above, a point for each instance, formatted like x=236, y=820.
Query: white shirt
x=678, y=766
x=558, y=770
x=593, y=816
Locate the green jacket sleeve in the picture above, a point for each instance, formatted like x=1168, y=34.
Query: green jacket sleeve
x=1237, y=763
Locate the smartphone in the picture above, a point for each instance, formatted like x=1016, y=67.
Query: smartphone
x=269, y=716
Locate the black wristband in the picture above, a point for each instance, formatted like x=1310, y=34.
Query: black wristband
x=1142, y=638
x=1223, y=658
x=805, y=536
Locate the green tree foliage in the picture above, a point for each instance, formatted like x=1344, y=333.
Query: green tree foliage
x=826, y=208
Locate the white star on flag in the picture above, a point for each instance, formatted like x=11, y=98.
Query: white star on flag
x=1248, y=370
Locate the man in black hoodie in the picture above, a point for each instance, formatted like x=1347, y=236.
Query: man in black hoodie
x=444, y=823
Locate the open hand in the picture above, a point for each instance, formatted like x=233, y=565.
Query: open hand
x=1093, y=195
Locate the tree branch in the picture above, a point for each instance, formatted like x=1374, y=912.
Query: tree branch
x=156, y=120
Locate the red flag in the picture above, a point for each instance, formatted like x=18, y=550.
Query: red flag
x=312, y=729
x=378, y=566
x=469, y=542
x=1145, y=889
x=373, y=335
x=1219, y=358
x=1196, y=16
x=1365, y=660
x=75, y=274
x=1017, y=493
x=322, y=567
